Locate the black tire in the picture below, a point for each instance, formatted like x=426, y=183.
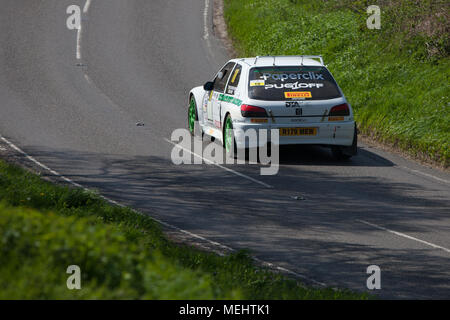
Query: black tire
x=345, y=153
x=194, y=128
x=231, y=150
x=338, y=154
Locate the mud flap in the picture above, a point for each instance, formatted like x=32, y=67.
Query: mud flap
x=353, y=149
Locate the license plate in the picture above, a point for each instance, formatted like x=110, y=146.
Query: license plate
x=298, y=131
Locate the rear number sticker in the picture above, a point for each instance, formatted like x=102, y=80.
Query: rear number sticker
x=298, y=131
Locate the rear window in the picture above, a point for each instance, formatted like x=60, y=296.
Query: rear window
x=292, y=83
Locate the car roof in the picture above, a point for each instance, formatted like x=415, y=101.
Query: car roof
x=269, y=61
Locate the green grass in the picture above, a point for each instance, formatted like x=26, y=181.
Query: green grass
x=44, y=228
x=396, y=78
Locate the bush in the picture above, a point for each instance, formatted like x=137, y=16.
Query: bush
x=37, y=248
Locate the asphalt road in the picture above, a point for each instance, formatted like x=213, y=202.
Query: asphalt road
x=139, y=59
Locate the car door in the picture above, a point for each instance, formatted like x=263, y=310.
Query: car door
x=217, y=95
x=232, y=96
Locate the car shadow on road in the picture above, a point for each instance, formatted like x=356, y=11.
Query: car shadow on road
x=322, y=156
x=313, y=155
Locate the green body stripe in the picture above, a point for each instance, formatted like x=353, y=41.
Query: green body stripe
x=230, y=99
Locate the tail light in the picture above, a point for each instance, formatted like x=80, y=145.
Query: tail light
x=340, y=110
x=252, y=111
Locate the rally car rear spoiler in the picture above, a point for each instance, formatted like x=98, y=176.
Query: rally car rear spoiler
x=301, y=56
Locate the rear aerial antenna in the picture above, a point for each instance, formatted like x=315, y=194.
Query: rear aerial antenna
x=256, y=59
x=302, y=60
x=274, y=61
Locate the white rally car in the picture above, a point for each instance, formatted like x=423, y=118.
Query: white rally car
x=296, y=95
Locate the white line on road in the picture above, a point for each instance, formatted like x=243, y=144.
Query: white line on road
x=88, y=79
x=78, y=52
x=80, y=30
x=405, y=236
x=270, y=265
x=426, y=175
x=220, y=166
x=205, y=21
x=86, y=6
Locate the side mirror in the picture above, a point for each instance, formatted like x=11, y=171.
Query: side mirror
x=208, y=86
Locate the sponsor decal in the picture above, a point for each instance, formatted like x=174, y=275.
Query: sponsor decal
x=292, y=104
x=257, y=83
x=235, y=75
x=298, y=94
x=294, y=86
x=293, y=76
x=231, y=90
x=205, y=101
x=230, y=99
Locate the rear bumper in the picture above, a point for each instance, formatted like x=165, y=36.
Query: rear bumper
x=328, y=133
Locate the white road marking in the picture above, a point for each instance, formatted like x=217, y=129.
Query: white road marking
x=88, y=79
x=270, y=265
x=425, y=174
x=205, y=21
x=206, y=36
x=220, y=166
x=86, y=6
x=405, y=236
x=78, y=52
x=80, y=30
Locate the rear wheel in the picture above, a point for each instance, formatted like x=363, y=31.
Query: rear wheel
x=228, y=137
x=345, y=153
x=338, y=154
x=193, y=117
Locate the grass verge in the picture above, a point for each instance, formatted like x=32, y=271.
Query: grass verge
x=396, y=78
x=44, y=228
